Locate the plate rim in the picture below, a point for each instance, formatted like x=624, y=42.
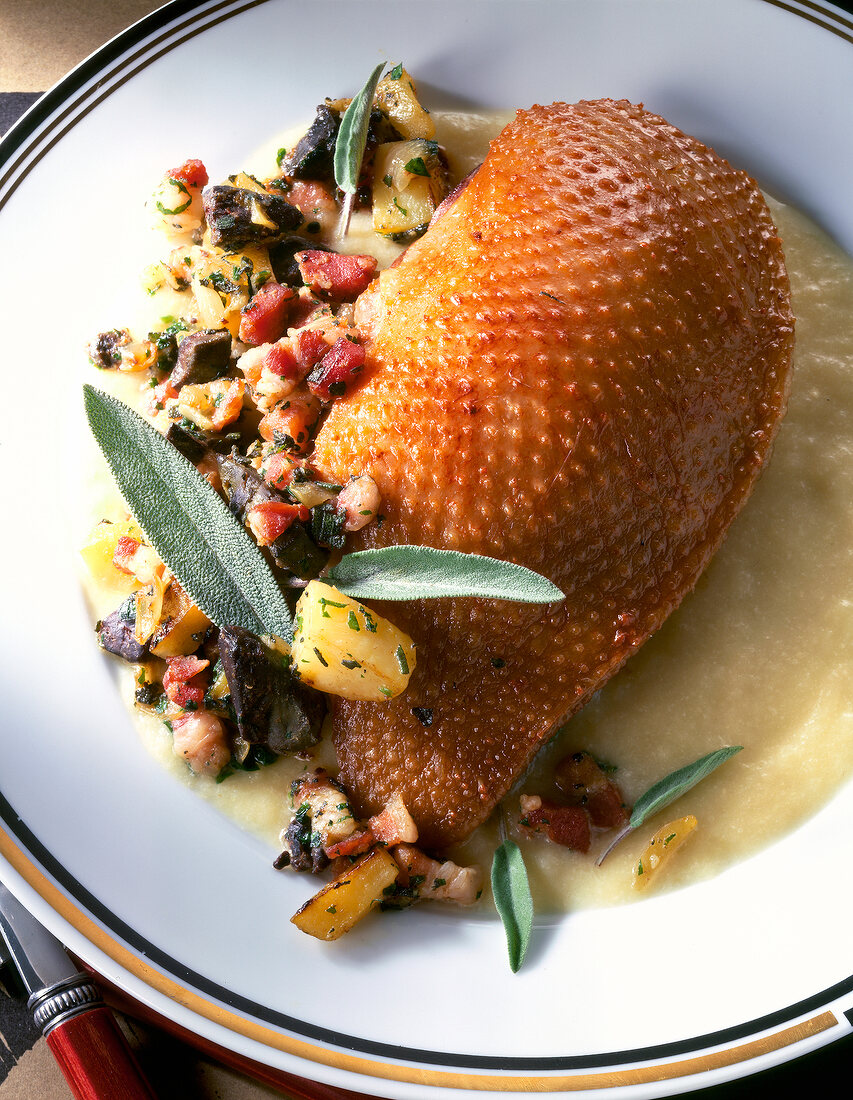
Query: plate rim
x=22, y=851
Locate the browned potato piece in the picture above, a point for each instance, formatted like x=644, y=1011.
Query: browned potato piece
x=341, y=904
x=181, y=626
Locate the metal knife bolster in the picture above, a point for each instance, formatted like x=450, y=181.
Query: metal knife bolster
x=57, y=989
x=59, y=1002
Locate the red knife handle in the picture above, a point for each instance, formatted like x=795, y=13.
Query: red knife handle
x=95, y=1059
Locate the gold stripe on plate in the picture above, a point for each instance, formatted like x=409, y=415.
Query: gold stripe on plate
x=350, y=1063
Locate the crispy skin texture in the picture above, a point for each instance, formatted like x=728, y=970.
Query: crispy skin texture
x=581, y=368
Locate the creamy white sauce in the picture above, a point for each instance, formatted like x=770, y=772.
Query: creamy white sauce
x=759, y=655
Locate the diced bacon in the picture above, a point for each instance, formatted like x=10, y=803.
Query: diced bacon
x=394, y=825
x=353, y=845
x=564, y=825
x=162, y=393
x=230, y=404
x=291, y=422
x=270, y=518
x=309, y=346
x=341, y=278
x=192, y=173
x=181, y=680
x=585, y=783
x=307, y=309
x=311, y=199
x=123, y=555
x=337, y=369
x=281, y=360
x=436, y=881
x=200, y=739
x=277, y=469
x=265, y=317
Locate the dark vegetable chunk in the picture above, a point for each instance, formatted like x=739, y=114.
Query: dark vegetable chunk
x=202, y=356
x=116, y=633
x=103, y=351
x=303, y=849
x=313, y=157
x=270, y=708
x=236, y=216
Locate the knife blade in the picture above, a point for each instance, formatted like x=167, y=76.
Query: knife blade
x=80, y=1030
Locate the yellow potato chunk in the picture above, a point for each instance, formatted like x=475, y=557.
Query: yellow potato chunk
x=338, y=906
x=345, y=649
x=397, y=96
x=99, y=550
x=181, y=625
x=661, y=848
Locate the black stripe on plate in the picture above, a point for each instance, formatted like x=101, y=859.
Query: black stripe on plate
x=199, y=982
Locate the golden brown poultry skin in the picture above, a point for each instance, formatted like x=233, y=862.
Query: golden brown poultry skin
x=580, y=368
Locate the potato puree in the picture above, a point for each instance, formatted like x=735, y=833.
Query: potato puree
x=759, y=655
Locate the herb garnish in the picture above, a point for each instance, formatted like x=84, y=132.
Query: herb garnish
x=416, y=167
x=669, y=788
x=511, y=890
x=422, y=572
x=350, y=144
x=203, y=544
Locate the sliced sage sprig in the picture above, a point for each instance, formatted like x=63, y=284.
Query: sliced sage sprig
x=187, y=522
x=351, y=142
x=511, y=891
x=669, y=788
x=423, y=573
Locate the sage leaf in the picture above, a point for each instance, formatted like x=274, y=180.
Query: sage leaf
x=511, y=890
x=669, y=788
x=351, y=141
x=424, y=573
x=187, y=522
x=677, y=783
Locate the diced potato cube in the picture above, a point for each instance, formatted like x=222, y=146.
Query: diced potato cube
x=397, y=96
x=661, y=848
x=181, y=626
x=342, y=648
x=99, y=551
x=338, y=906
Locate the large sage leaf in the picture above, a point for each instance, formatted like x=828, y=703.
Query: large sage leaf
x=187, y=522
x=421, y=572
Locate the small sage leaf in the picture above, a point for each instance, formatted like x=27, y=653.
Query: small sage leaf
x=423, y=573
x=187, y=522
x=669, y=788
x=677, y=783
x=351, y=141
x=511, y=891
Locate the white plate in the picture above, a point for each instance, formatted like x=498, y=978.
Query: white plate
x=147, y=882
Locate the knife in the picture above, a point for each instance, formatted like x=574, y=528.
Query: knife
x=82, y=1033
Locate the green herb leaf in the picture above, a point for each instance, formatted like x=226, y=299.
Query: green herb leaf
x=416, y=166
x=187, y=522
x=669, y=788
x=677, y=783
x=352, y=135
x=511, y=891
x=422, y=573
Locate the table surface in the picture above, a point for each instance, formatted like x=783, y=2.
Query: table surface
x=42, y=40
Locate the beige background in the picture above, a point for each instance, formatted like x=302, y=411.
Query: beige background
x=41, y=40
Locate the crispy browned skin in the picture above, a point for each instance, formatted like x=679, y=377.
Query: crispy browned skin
x=580, y=368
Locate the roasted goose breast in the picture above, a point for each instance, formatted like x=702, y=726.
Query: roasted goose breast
x=580, y=368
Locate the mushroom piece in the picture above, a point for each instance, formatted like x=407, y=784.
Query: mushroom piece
x=270, y=707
